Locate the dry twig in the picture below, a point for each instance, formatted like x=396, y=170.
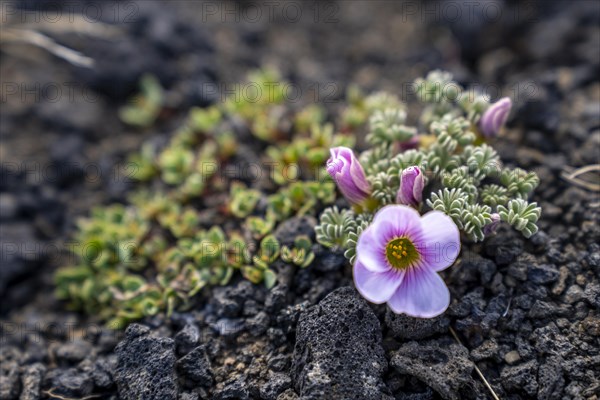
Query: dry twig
x=40, y=40
x=572, y=176
x=486, y=383
x=58, y=396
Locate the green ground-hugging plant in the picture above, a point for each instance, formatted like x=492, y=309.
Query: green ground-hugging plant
x=154, y=253
x=446, y=153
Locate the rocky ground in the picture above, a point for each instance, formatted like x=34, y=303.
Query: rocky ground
x=526, y=312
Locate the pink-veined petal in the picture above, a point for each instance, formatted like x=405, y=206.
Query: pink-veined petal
x=358, y=176
x=377, y=287
x=370, y=251
x=395, y=221
x=348, y=174
x=439, y=243
x=411, y=187
x=422, y=294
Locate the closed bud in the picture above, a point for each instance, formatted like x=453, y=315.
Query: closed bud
x=494, y=118
x=349, y=175
x=411, y=187
x=491, y=228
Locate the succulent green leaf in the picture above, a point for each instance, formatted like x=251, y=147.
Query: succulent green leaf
x=451, y=202
x=521, y=215
x=518, y=182
x=333, y=225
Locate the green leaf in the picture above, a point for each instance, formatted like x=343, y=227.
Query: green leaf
x=333, y=226
x=144, y=108
x=518, y=182
x=270, y=278
x=438, y=88
x=494, y=195
x=521, y=215
x=242, y=200
x=204, y=119
x=387, y=126
x=474, y=217
x=451, y=202
x=452, y=132
x=460, y=178
x=253, y=274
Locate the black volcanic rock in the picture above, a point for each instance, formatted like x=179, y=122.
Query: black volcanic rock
x=338, y=351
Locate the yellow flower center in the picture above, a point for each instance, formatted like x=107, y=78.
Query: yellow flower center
x=401, y=253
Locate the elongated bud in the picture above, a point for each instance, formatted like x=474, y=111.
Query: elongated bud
x=494, y=118
x=412, y=143
x=411, y=187
x=491, y=228
x=349, y=175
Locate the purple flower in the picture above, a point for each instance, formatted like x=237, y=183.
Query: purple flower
x=349, y=175
x=412, y=143
x=494, y=118
x=411, y=187
x=491, y=228
x=398, y=257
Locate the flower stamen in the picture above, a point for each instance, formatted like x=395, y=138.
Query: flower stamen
x=401, y=253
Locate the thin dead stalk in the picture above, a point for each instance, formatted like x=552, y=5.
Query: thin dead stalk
x=572, y=176
x=58, y=396
x=40, y=40
x=485, y=382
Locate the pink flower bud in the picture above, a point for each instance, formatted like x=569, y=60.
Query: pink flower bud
x=491, y=228
x=412, y=143
x=349, y=175
x=494, y=118
x=411, y=187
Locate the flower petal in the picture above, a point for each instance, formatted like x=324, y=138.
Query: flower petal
x=395, y=221
x=377, y=287
x=358, y=176
x=411, y=187
x=494, y=118
x=439, y=243
x=422, y=294
x=348, y=174
x=370, y=251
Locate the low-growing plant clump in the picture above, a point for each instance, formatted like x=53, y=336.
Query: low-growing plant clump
x=443, y=166
x=204, y=210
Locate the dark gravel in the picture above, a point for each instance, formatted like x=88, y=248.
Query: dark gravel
x=526, y=311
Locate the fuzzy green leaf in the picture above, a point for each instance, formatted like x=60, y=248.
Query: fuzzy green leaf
x=518, y=182
x=450, y=202
x=474, y=217
x=521, y=215
x=461, y=179
x=332, y=229
x=387, y=126
x=493, y=195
